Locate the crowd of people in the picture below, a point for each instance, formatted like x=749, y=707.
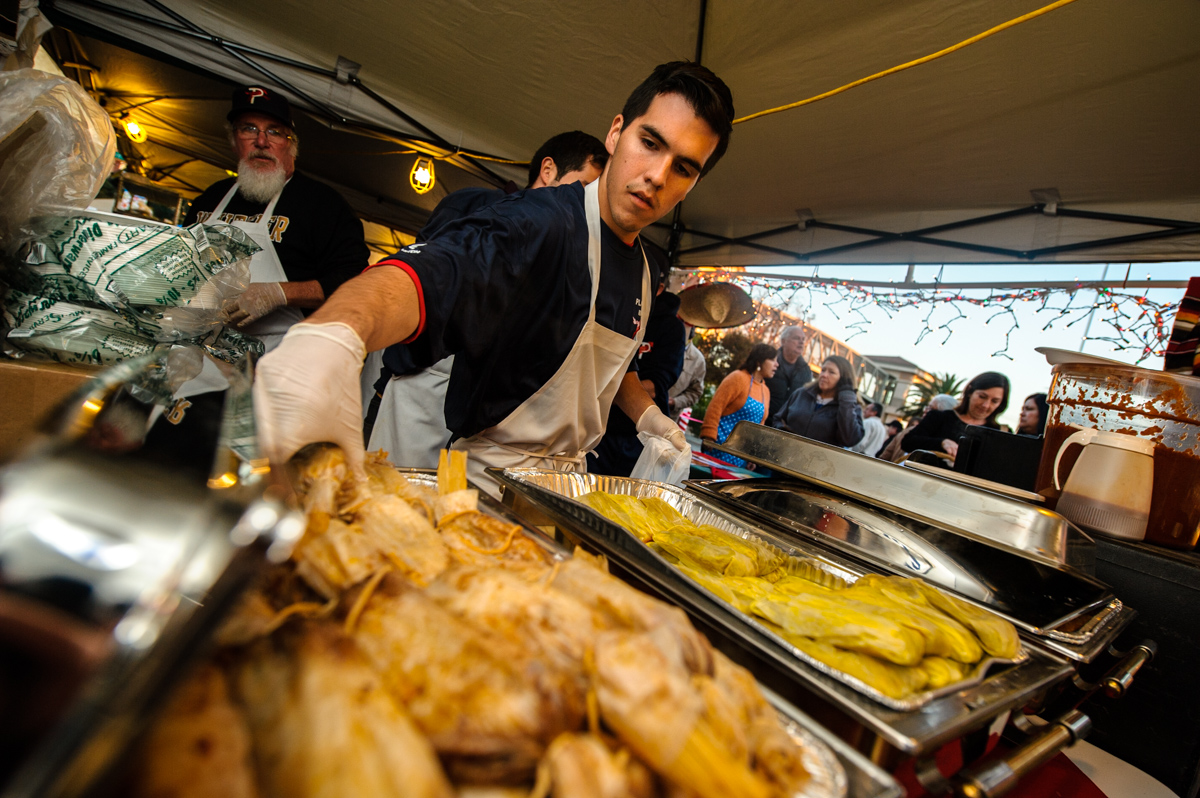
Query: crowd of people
x=777, y=387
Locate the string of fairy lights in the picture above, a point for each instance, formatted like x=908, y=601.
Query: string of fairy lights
x=1129, y=320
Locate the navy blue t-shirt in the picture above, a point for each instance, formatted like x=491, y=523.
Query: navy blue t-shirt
x=507, y=290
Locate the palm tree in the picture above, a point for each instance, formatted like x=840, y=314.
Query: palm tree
x=927, y=388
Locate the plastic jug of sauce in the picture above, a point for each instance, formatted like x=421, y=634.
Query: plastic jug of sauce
x=1109, y=487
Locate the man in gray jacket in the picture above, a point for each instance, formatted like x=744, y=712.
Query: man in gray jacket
x=688, y=389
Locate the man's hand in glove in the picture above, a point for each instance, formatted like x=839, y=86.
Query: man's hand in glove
x=656, y=422
x=307, y=391
x=256, y=301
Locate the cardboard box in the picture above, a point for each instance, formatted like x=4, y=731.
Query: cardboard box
x=28, y=392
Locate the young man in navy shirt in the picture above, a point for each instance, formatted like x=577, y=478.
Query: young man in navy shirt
x=542, y=299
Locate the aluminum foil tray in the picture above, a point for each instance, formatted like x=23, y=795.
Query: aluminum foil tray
x=572, y=486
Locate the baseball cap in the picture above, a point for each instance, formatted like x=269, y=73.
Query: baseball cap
x=260, y=100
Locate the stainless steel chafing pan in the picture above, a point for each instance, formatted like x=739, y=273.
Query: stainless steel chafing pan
x=999, y=521
x=913, y=730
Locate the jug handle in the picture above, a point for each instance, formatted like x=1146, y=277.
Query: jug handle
x=1083, y=438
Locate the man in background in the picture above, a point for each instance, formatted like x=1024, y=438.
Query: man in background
x=793, y=371
x=311, y=240
x=688, y=389
x=407, y=417
x=874, y=432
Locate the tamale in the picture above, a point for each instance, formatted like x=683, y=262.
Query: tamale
x=650, y=705
x=741, y=592
x=941, y=671
x=323, y=726
x=847, y=624
x=948, y=638
x=488, y=704
x=944, y=637
x=763, y=557
x=998, y=636
x=536, y=617
x=479, y=540
x=896, y=681
x=643, y=517
x=704, y=554
x=400, y=532
x=622, y=607
x=199, y=747
x=582, y=766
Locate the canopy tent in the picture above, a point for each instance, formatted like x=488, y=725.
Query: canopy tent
x=1059, y=130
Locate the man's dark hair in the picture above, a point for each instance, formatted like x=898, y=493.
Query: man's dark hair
x=896, y=425
x=706, y=93
x=570, y=151
x=878, y=408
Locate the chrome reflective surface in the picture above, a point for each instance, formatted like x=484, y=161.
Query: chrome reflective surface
x=912, y=730
x=115, y=529
x=999, y=521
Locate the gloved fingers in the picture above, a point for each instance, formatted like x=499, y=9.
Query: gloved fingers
x=677, y=439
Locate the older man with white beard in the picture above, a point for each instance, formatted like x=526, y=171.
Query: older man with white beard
x=311, y=240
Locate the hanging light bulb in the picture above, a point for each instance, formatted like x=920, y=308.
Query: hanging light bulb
x=136, y=133
x=421, y=177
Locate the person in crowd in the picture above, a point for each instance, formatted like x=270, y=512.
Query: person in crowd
x=874, y=431
x=1032, y=420
x=893, y=429
x=984, y=398
x=311, y=240
x=741, y=396
x=659, y=363
x=688, y=389
x=893, y=451
x=793, y=372
x=406, y=416
x=542, y=299
x=826, y=409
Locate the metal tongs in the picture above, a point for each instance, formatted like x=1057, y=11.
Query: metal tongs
x=141, y=532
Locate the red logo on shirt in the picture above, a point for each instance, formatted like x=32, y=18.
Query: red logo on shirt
x=645, y=347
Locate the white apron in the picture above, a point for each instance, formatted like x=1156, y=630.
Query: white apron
x=557, y=426
x=264, y=268
x=411, y=423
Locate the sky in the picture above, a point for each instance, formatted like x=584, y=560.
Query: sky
x=973, y=340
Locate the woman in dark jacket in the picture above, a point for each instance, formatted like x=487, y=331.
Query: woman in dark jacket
x=826, y=409
x=984, y=398
x=1032, y=420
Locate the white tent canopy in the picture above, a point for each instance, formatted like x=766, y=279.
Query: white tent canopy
x=1090, y=108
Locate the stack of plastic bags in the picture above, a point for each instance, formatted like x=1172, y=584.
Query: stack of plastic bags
x=79, y=287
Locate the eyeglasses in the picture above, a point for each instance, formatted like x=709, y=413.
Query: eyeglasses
x=274, y=135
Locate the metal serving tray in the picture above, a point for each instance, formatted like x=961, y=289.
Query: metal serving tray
x=998, y=521
x=912, y=726
x=837, y=769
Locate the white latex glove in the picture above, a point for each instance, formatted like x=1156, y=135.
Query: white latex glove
x=256, y=301
x=307, y=391
x=656, y=422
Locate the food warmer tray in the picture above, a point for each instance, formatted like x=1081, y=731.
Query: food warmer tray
x=914, y=731
x=203, y=542
x=986, y=548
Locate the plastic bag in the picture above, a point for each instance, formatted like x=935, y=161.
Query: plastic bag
x=70, y=333
x=175, y=281
x=660, y=461
x=56, y=149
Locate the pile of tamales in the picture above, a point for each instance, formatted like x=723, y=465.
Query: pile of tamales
x=899, y=636
x=415, y=646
